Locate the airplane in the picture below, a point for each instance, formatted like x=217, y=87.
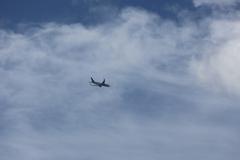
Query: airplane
x=99, y=84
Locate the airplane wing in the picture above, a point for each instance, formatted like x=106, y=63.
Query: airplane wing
x=92, y=79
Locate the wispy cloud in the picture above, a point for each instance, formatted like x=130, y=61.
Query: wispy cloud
x=155, y=109
x=215, y=2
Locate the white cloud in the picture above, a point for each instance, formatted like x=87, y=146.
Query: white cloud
x=219, y=63
x=152, y=111
x=215, y=2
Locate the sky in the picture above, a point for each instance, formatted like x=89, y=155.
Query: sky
x=173, y=67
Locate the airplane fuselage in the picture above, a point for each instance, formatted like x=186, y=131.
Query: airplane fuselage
x=101, y=84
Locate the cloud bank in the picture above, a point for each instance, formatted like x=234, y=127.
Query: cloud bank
x=157, y=107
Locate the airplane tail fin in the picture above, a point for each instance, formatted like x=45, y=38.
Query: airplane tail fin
x=92, y=80
x=103, y=82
